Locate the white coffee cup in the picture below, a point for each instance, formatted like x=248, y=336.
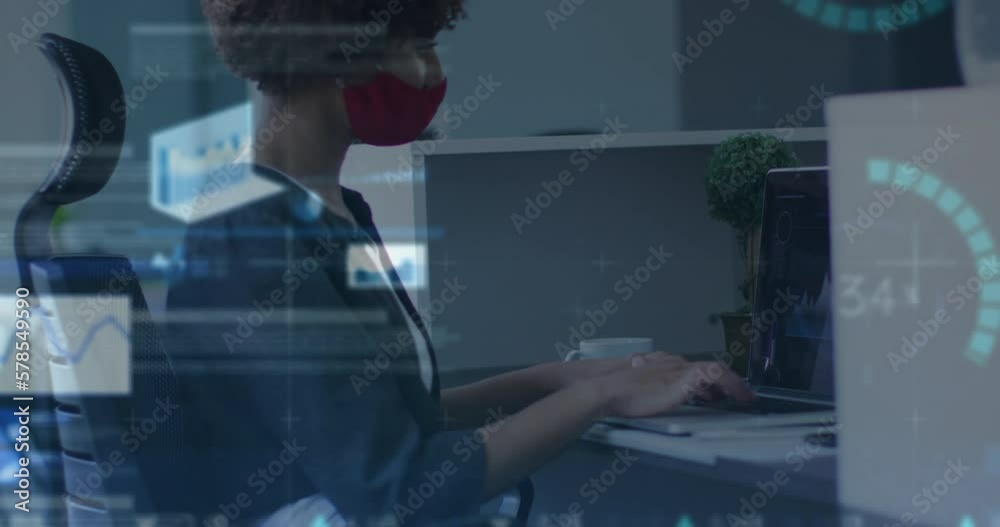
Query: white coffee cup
x=610, y=348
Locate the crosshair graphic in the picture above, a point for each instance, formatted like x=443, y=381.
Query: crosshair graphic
x=862, y=16
x=967, y=220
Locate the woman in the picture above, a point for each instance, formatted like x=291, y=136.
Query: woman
x=289, y=379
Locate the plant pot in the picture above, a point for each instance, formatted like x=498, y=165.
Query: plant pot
x=737, y=341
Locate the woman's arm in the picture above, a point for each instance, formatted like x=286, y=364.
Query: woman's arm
x=469, y=405
x=526, y=440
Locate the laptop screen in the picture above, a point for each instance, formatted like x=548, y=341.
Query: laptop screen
x=791, y=334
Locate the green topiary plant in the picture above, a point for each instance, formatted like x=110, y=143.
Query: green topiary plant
x=735, y=186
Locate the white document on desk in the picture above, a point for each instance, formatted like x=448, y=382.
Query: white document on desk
x=688, y=420
x=707, y=451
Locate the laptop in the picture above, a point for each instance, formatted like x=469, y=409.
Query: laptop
x=791, y=335
x=914, y=189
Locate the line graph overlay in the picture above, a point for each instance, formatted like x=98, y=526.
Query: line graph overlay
x=90, y=339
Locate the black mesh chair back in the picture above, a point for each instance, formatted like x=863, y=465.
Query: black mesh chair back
x=121, y=449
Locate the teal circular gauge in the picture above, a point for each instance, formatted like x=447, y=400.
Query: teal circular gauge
x=868, y=16
x=967, y=221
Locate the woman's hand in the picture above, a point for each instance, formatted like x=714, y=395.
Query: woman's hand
x=657, y=383
x=635, y=386
x=468, y=405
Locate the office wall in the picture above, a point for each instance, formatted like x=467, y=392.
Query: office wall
x=525, y=291
x=601, y=59
x=770, y=60
x=565, y=65
x=765, y=64
x=32, y=117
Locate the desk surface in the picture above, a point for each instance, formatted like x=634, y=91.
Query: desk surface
x=813, y=475
x=607, y=484
x=582, y=488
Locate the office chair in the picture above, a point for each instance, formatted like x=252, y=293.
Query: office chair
x=99, y=469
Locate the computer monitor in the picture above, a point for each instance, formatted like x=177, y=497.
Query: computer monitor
x=791, y=332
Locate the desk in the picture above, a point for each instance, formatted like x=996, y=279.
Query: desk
x=656, y=490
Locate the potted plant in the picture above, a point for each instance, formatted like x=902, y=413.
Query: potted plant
x=735, y=187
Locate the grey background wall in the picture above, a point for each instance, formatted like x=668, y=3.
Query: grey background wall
x=569, y=73
x=525, y=291
x=766, y=63
x=617, y=58
x=32, y=117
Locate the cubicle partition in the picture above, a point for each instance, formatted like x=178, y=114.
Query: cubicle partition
x=554, y=246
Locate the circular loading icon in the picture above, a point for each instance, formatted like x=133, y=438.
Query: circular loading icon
x=868, y=16
x=967, y=220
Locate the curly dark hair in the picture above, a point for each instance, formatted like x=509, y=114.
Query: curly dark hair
x=283, y=45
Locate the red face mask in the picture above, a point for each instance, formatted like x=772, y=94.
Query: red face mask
x=390, y=112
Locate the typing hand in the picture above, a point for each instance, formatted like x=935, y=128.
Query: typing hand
x=657, y=384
